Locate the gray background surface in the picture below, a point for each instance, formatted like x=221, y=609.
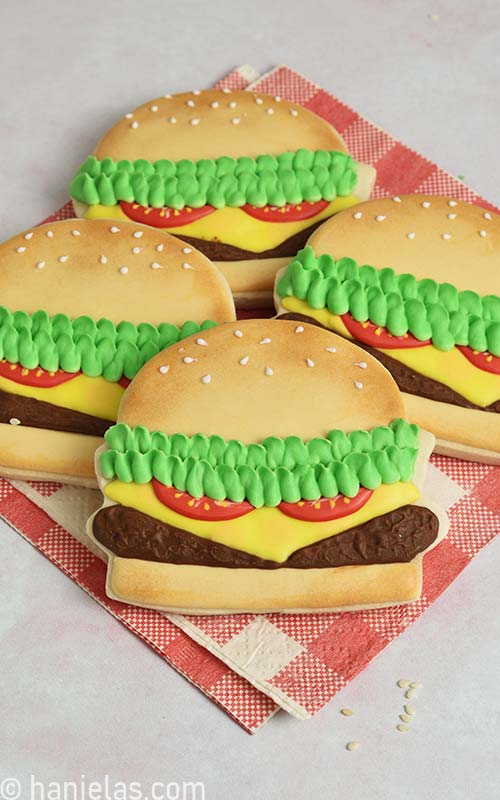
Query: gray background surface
x=80, y=695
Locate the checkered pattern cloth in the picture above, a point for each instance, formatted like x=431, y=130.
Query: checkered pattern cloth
x=250, y=664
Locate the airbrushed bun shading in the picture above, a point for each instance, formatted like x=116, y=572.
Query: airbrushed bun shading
x=232, y=383
x=85, y=304
x=215, y=123
x=414, y=280
x=118, y=271
x=264, y=465
x=425, y=235
x=243, y=177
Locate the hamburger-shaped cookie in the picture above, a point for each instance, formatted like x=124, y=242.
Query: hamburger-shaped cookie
x=415, y=281
x=85, y=303
x=264, y=465
x=243, y=177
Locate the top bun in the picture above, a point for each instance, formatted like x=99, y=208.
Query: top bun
x=121, y=271
x=262, y=377
x=428, y=236
x=214, y=123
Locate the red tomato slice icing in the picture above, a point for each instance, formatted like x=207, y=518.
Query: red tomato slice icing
x=326, y=509
x=203, y=508
x=288, y=213
x=371, y=334
x=34, y=377
x=482, y=360
x=171, y=218
x=40, y=377
x=164, y=217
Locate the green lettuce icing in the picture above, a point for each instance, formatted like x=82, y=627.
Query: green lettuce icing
x=292, y=177
x=400, y=303
x=266, y=473
x=81, y=344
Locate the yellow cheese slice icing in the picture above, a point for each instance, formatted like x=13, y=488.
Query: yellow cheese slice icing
x=264, y=532
x=234, y=226
x=95, y=396
x=450, y=368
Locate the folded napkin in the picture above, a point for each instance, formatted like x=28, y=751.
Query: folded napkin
x=253, y=664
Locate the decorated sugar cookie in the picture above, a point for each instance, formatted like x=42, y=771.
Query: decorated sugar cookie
x=415, y=281
x=85, y=303
x=243, y=177
x=264, y=465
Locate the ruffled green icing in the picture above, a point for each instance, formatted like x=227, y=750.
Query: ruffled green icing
x=400, y=303
x=81, y=344
x=293, y=177
x=266, y=473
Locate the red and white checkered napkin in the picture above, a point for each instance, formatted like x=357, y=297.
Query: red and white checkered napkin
x=252, y=664
x=60, y=537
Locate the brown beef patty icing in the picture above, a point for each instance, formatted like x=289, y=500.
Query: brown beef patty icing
x=220, y=251
x=39, y=414
x=391, y=538
x=407, y=379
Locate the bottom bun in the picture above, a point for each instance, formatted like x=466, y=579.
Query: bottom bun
x=251, y=301
x=461, y=432
x=41, y=454
x=200, y=590
x=251, y=281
